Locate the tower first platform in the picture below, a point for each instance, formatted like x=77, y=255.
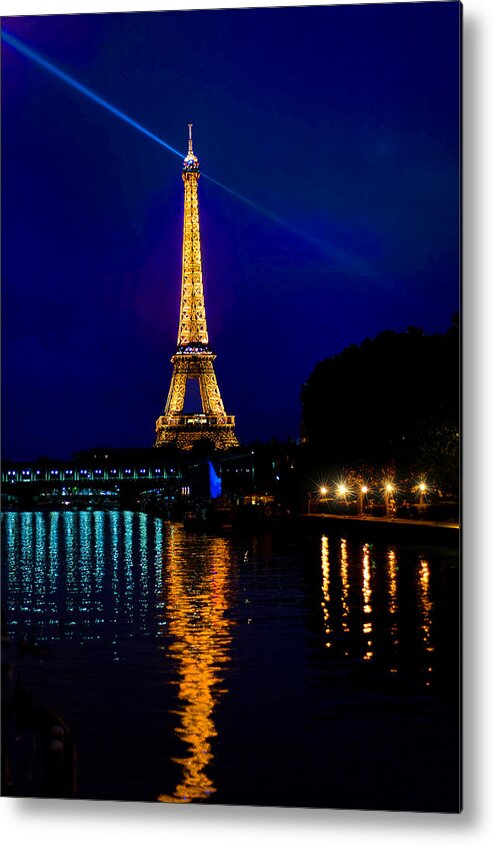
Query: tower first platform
x=193, y=358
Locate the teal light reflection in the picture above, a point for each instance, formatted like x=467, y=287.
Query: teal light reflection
x=115, y=533
x=99, y=551
x=128, y=561
x=53, y=559
x=11, y=553
x=26, y=564
x=143, y=592
x=71, y=586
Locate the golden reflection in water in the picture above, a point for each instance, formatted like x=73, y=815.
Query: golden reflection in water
x=325, y=586
x=425, y=606
x=393, y=583
x=200, y=632
x=345, y=584
x=367, y=595
x=393, y=601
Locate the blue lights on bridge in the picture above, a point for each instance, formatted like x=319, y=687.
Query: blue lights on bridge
x=73, y=476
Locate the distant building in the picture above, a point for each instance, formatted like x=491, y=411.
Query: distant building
x=263, y=471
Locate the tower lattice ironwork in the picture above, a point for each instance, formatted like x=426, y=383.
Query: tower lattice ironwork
x=193, y=358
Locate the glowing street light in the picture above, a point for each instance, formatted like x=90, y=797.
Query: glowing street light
x=322, y=492
x=341, y=489
x=421, y=488
x=388, y=490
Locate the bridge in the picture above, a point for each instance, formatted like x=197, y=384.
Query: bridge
x=68, y=475
x=98, y=477
x=115, y=475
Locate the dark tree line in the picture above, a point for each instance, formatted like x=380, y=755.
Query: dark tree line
x=393, y=401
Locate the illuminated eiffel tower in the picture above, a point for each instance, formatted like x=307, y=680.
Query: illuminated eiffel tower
x=193, y=358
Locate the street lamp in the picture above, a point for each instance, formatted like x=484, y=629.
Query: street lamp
x=388, y=489
x=422, y=490
x=321, y=494
x=362, y=493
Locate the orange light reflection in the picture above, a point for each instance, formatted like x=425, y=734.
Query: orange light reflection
x=325, y=585
x=426, y=607
x=200, y=633
x=367, y=595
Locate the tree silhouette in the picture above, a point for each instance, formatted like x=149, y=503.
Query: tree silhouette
x=393, y=400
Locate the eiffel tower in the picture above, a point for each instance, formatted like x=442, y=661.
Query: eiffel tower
x=193, y=358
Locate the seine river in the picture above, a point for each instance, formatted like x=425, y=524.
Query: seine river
x=285, y=667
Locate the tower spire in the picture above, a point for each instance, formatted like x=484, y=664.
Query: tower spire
x=191, y=161
x=190, y=150
x=193, y=358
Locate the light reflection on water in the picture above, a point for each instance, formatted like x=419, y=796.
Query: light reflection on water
x=345, y=584
x=206, y=604
x=199, y=630
x=70, y=573
x=96, y=574
x=425, y=609
x=385, y=648
x=367, y=597
x=325, y=586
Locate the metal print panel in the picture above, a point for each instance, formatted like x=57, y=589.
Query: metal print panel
x=230, y=480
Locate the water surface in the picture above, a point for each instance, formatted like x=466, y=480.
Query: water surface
x=286, y=667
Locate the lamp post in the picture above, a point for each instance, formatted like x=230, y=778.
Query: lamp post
x=341, y=492
x=388, y=489
x=363, y=490
x=422, y=492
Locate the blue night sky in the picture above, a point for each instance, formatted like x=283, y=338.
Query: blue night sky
x=342, y=121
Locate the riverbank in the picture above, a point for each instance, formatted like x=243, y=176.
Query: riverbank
x=412, y=529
